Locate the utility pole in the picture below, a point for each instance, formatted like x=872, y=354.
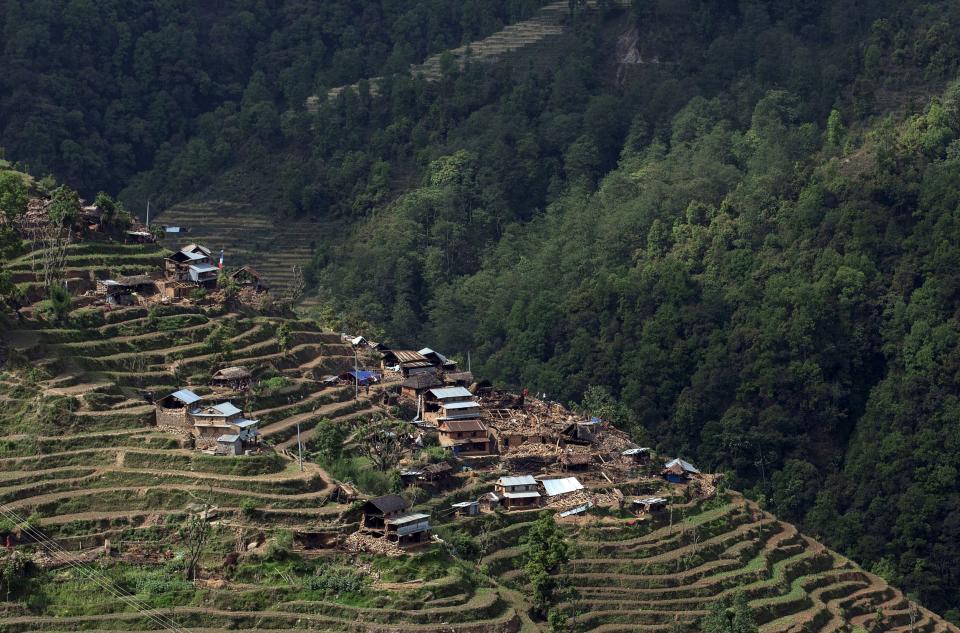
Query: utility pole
x=299, y=447
x=148, y=213
x=469, y=368
x=356, y=376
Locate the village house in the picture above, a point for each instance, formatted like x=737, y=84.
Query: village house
x=211, y=425
x=126, y=290
x=438, y=474
x=235, y=378
x=678, y=471
x=189, y=268
x=361, y=378
x=464, y=437
x=443, y=402
x=173, y=409
x=248, y=277
x=387, y=517
x=438, y=360
x=407, y=362
x=418, y=384
x=517, y=493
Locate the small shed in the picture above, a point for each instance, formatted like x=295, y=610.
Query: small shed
x=229, y=445
x=466, y=508
x=489, y=501
x=636, y=455
x=649, y=505
x=232, y=378
x=678, y=471
x=361, y=377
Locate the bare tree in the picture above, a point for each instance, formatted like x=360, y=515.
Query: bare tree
x=299, y=285
x=195, y=534
x=49, y=242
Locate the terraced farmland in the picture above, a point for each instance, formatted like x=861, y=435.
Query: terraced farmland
x=81, y=453
x=247, y=238
x=655, y=578
x=548, y=23
x=87, y=262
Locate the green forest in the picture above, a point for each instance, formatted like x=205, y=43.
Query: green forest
x=744, y=248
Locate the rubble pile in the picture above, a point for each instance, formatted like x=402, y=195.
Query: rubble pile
x=359, y=542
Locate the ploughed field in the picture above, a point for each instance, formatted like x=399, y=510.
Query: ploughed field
x=656, y=576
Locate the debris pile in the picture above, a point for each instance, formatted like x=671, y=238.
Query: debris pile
x=359, y=542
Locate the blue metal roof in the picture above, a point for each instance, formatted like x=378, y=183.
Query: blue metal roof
x=202, y=268
x=186, y=396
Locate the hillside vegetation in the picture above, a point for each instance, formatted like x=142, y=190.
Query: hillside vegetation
x=736, y=219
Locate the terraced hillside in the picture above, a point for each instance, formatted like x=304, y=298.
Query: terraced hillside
x=81, y=453
x=85, y=263
x=548, y=23
x=247, y=238
x=657, y=576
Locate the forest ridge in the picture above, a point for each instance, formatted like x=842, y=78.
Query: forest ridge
x=747, y=247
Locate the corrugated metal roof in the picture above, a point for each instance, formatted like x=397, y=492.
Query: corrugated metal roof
x=403, y=519
x=521, y=495
x=522, y=480
x=462, y=405
x=635, y=451
x=687, y=466
x=228, y=438
x=577, y=510
x=555, y=487
x=451, y=392
x=460, y=426
x=245, y=424
x=227, y=408
x=464, y=504
x=202, y=268
x=650, y=501
x=407, y=356
x=186, y=396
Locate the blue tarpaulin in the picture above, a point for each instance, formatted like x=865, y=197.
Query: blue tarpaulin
x=365, y=377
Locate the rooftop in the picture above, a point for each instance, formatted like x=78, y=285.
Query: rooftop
x=686, y=466
x=522, y=480
x=186, y=396
x=443, y=393
x=555, y=487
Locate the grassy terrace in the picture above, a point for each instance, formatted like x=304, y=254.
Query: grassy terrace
x=656, y=577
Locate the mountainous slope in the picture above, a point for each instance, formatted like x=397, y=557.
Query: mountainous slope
x=737, y=220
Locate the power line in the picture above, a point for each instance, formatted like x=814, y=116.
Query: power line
x=55, y=550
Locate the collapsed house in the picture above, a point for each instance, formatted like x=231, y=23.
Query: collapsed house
x=438, y=360
x=126, y=290
x=407, y=362
x=249, y=277
x=649, y=505
x=387, y=517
